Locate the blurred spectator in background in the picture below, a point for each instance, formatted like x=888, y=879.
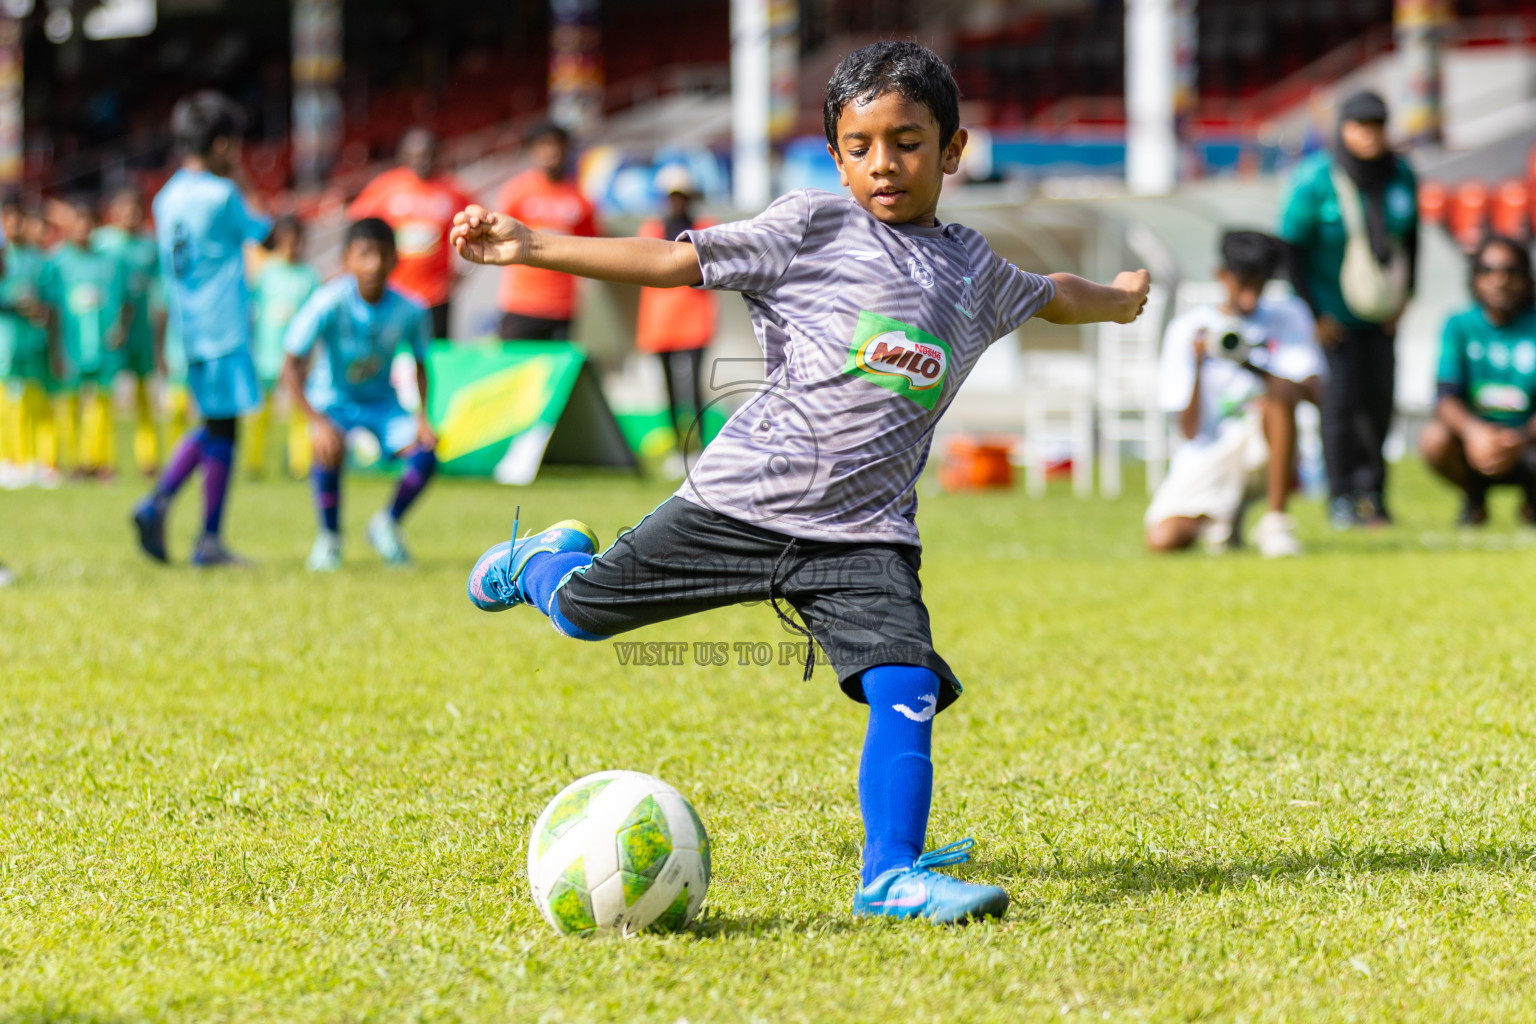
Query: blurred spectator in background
x=89, y=292
x=123, y=237
x=1234, y=374
x=677, y=323
x=1483, y=433
x=419, y=203
x=24, y=321
x=536, y=304
x=283, y=284
x=1351, y=217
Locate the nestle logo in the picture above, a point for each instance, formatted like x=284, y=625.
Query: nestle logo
x=893, y=353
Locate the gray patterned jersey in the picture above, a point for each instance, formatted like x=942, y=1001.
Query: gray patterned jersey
x=868, y=331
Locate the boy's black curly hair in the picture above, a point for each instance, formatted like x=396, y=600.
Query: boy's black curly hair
x=370, y=229
x=203, y=118
x=907, y=69
x=1250, y=253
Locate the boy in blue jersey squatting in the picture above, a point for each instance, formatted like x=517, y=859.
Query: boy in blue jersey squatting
x=352, y=328
x=202, y=225
x=870, y=312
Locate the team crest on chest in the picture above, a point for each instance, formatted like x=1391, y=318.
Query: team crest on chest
x=919, y=272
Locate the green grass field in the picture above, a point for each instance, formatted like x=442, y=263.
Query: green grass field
x=1217, y=788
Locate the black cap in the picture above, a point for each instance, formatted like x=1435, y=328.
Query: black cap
x=1363, y=106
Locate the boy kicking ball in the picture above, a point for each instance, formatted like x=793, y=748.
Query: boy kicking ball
x=871, y=312
x=353, y=327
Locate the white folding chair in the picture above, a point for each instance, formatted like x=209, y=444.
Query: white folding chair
x=1127, y=395
x=1058, y=417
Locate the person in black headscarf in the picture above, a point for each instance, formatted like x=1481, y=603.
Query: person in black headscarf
x=1351, y=218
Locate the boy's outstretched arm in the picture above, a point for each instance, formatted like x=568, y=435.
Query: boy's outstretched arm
x=1080, y=301
x=481, y=236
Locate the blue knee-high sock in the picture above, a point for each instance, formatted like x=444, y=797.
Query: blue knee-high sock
x=895, y=773
x=540, y=579
x=218, y=458
x=189, y=454
x=327, y=484
x=419, y=468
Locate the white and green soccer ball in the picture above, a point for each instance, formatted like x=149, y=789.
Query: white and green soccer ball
x=620, y=852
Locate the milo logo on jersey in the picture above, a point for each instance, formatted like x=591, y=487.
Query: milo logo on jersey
x=899, y=358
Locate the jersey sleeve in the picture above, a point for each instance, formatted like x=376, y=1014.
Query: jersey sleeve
x=1018, y=295
x=367, y=202
x=753, y=255
x=242, y=222
x=1176, y=366
x=1451, y=374
x=308, y=324
x=1297, y=356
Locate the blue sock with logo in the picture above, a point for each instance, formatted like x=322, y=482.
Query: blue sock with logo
x=541, y=577
x=327, y=484
x=419, y=467
x=895, y=772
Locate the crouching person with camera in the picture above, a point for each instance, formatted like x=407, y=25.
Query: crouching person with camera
x=1233, y=375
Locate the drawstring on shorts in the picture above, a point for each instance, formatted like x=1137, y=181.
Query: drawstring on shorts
x=773, y=599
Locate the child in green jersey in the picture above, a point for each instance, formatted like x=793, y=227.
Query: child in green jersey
x=28, y=417
x=1483, y=433
x=121, y=236
x=282, y=285
x=89, y=293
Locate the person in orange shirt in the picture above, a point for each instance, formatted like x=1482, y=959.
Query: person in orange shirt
x=677, y=323
x=419, y=203
x=536, y=304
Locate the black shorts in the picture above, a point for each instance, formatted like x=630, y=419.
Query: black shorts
x=516, y=327
x=861, y=601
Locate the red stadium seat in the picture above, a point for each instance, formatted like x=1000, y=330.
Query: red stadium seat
x=1433, y=201
x=1469, y=213
x=1510, y=212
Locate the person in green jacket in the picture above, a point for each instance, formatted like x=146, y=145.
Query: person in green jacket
x=121, y=236
x=1483, y=432
x=1359, y=340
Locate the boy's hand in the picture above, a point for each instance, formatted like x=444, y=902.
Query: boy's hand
x=328, y=443
x=1329, y=331
x=1493, y=451
x=1135, y=284
x=481, y=236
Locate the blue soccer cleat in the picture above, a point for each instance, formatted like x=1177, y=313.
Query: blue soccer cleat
x=149, y=520
x=919, y=892
x=493, y=582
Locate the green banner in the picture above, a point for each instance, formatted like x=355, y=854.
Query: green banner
x=502, y=410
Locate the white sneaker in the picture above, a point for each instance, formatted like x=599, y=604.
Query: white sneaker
x=384, y=535
x=325, y=556
x=6, y=577
x=1275, y=533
